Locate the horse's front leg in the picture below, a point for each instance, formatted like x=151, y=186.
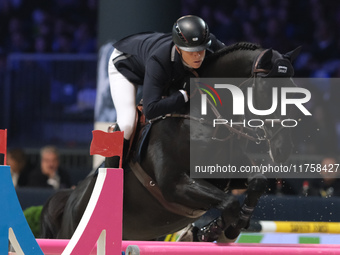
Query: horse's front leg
x=199, y=194
x=256, y=187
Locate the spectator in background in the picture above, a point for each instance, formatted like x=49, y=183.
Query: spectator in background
x=24, y=23
x=42, y=45
x=18, y=43
x=63, y=44
x=324, y=47
x=329, y=185
x=317, y=133
x=84, y=39
x=275, y=36
x=49, y=174
x=20, y=169
x=17, y=40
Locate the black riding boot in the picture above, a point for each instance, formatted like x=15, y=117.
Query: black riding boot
x=114, y=161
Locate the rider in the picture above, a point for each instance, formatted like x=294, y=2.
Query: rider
x=157, y=61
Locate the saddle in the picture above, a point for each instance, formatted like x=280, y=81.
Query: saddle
x=138, y=137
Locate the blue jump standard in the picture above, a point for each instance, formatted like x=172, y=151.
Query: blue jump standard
x=13, y=217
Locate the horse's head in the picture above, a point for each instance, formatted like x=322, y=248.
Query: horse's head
x=272, y=71
x=269, y=70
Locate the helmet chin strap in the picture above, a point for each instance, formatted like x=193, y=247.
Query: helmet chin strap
x=185, y=64
x=180, y=54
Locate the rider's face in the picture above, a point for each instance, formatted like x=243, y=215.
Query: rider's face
x=193, y=59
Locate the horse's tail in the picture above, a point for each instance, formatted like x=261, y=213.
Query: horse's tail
x=52, y=214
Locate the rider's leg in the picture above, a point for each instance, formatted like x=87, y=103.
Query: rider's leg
x=123, y=94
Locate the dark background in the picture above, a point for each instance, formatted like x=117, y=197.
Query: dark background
x=49, y=53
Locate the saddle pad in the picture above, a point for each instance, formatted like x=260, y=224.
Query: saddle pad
x=141, y=142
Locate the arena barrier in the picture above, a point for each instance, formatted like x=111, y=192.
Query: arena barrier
x=297, y=227
x=100, y=230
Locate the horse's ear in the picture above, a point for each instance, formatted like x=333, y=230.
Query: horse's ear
x=265, y=61
x=292, y=55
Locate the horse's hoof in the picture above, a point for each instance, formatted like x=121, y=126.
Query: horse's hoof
x=212, y=231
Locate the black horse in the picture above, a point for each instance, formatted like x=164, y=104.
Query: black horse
x=159, y=195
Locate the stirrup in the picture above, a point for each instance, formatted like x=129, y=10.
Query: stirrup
x=113, y=127
x=113, y=162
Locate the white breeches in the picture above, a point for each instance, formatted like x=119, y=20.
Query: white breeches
x=123, y=94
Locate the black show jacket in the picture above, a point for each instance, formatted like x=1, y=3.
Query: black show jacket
x=150, y=59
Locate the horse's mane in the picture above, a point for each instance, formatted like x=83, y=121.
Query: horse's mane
x=235, y=47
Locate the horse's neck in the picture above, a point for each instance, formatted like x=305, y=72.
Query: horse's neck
x=236, y=64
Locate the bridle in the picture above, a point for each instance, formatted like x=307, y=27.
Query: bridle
x=255, y=73
x=236, y=130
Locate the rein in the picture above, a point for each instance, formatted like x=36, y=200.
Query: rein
x=234, y=131
x=240, y=132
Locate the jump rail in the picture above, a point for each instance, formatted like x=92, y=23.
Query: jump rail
x=54, y=247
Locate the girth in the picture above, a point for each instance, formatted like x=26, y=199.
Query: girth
x=155, y=191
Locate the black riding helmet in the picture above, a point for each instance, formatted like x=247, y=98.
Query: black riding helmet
x=191, y=33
